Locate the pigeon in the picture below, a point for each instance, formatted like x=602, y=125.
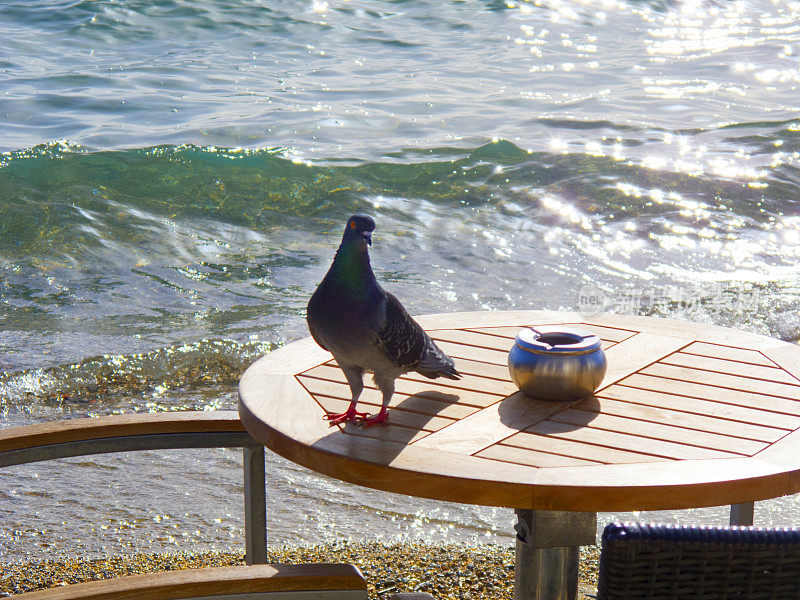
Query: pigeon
x=366, y=328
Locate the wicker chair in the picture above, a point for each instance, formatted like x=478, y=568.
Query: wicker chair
x=709, y=563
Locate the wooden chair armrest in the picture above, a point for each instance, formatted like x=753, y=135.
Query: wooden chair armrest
x=75, y=430
x=212, y=582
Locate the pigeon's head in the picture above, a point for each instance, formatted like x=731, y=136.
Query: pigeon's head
x=359, y=230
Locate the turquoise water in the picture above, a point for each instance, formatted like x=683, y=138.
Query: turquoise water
x=174, y=177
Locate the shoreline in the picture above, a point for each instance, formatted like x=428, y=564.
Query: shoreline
x=447, y=571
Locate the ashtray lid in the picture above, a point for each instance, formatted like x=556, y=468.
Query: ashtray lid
x=557, y=339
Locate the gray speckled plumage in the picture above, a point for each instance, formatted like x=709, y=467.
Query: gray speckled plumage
x=367, y=329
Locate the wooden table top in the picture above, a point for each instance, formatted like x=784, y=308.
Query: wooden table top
x=688, y=415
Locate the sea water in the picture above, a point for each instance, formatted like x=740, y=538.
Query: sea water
x=175, y=175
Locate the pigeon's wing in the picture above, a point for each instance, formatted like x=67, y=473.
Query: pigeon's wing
x=407, y=345
x=402, y=340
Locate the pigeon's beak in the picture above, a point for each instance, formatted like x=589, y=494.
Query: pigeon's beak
x=367, y=235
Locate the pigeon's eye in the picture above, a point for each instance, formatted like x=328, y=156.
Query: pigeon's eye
x=352, y=224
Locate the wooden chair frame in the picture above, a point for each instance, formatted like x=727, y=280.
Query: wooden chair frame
x=146, y=431
x=253, y=582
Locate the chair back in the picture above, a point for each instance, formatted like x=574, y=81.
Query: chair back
x=673, y=563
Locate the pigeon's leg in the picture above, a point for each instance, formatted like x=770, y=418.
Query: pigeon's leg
x=355, y=377
x=386, y=385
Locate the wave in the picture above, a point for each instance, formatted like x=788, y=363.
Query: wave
x=62, y=200
x=181, y=366
x=127, y=250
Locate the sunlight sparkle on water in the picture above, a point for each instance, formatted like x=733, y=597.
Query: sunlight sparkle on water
x=567, y=211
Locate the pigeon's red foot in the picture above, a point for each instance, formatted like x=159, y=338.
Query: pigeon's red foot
x=381, y=418
x=351, y=415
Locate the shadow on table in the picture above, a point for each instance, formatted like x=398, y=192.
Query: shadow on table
x=520, y=412
x=409, y=420
x=415, y=417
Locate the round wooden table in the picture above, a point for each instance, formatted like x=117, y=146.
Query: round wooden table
x=688, y=415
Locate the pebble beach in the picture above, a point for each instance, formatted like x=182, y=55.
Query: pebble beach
x=448, y=572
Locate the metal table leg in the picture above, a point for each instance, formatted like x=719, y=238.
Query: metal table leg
x=255, y=505
x=546, y=566
x=742, y=514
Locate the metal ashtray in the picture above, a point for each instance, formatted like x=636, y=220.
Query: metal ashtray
x=557, y=362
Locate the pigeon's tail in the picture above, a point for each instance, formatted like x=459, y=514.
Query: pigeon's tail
x=448, y=373
x=436, y=363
